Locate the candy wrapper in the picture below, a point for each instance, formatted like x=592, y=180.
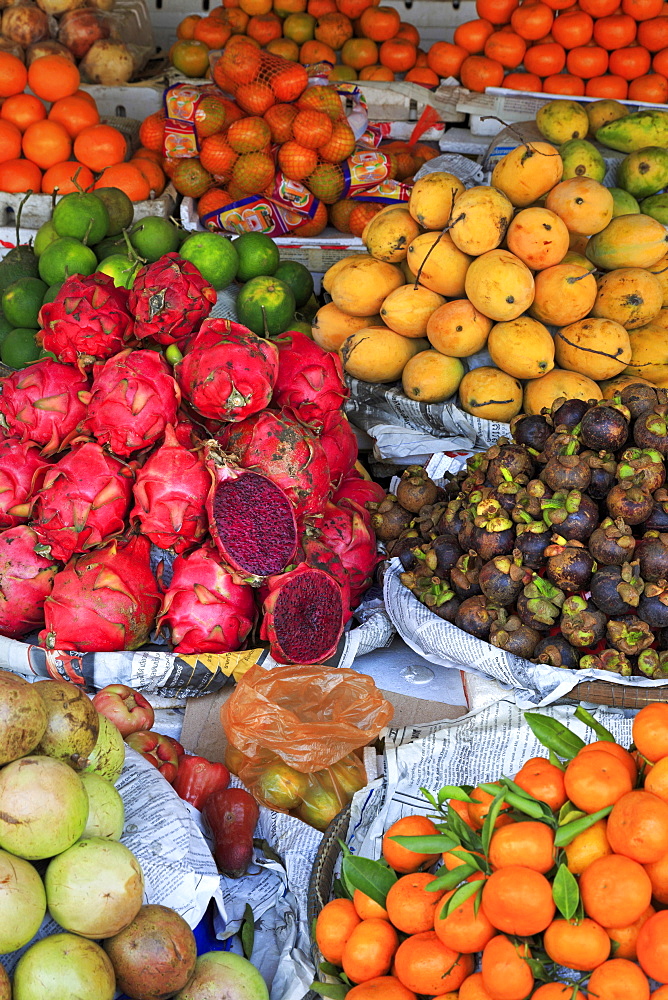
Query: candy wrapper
x=181, y=102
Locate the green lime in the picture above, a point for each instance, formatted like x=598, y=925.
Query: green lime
x=65, y=257
x=82, y=216
x=120, y=208
x=302, y=326
x=214, y=255
x=19, y=348
x=152, y=237
x=22, y=301
x=20, y=262
x=298, y=278
x=121, y=269
x=46, y=234
x=111, y=246
x=266, y=305
x=258, y=255
x=5, y=326
x=51, y=292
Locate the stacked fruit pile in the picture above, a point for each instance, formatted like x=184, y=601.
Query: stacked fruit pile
x=557, y=879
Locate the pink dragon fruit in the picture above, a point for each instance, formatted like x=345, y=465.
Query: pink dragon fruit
x=21, y=473
x=340, y=444
x=205, y=610
x=228, y=372
x=355, y=492
x=26, y=580
x=44, y=404
x=318, y=555
x=302, y=616
x=186, y=433
x=132, y=400
x=83, y=501
x=310, y=379
x=105, y=600
x=169, y=299
x=88, y=319
x=277, y=445
x=251, y=520
x=170, y=496
x=345, y=531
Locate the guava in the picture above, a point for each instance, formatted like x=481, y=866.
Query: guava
x=281, y=787
x=22, y=717
x=106, y=812
x=5, y=985
x=221, y=974
x=22, y=902
x=108, y=755
x=95, y=888
x=44, y=807
x=155, y=955
x=72, y=726
x=64, y=966
x=319, y=807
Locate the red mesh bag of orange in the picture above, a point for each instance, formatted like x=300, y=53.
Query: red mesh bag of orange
x=257, y=79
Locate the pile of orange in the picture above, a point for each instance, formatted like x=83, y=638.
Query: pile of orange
x=53, y=135
x=557, y=882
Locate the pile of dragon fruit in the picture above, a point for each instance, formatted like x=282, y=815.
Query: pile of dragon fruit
x=238, y=460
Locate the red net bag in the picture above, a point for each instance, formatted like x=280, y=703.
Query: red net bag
x=257, y=79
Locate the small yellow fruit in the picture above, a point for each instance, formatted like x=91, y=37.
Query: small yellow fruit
x=431, y=377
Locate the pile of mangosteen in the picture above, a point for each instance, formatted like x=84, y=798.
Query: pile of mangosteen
x=553, y=546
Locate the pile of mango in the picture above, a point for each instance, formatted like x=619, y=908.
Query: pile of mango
x=544, y=283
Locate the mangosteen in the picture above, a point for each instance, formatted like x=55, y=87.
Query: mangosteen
x=645, y=466
x=510, y=634
x=603, y=467
x=630, y=501
x=556, y=651
x=653, y=605
x=508, y=491
x=416, y=489
x=539, y=604
x=605, y=427
x=531, y=431
x=472, y=482
x=651, y=429
x=442, y=553
x=652, y=663
x=629, y=635
x=581, y=622
x=568, y=412
x=403, y=547
x=502, y=578
x=569, y=564
x=507, y=462
x=612, y=543
x=561, y=442
x=652, y=554
x=527, y=501
x=476, y=615
x=574, y=515
x=426, y=520
x=639, y=398
x=494, y=532
x=611, y=660
x=658, y=518
x=464, y=576
x=531, y=540
x=453, y=516
x=615, y=590
x=661, y=636
x=466, y=533
x=567, y=472
x=389, y=518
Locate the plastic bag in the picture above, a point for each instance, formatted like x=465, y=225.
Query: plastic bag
x=292, y=733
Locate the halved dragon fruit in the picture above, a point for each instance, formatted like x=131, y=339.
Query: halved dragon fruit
x=302, y=616
x=228, y=372
x=204, y=609
x=169, y=299
x=170, y=496
x=44, y=403
x=251, y=520
x=339, y=443
x=346, y=532
x=22, y=470
x=103, y=601
x=310, y=380
x=83, y=501
x=26, y=580
x=315, y=552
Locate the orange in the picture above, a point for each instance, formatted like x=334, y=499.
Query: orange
x=409, y=904
x=129, y=178
x=472, y=35
x=463, y=929
x=284, y=48
x=529, y=844
x=451, y=859
x=312, y=52
x=20, y=175
x=544, y=781
x=650, y=731
x=359, y=53
x=478, y=808
x=630, y=63
x=653, y=34
x=587, y=61
x=314, y=226
x=376, y=73
x=53, y=77
x=379, y=23
x=190, y=57
x=248, y=135
x=22, y=110
x=212, y=32
x=152, y=131
x=85, y=95
x=296, y=161
x=400, y=858
x=523, y=81
x=618, y=979
x=615, y=750
x=580, y=945
x=190, y=178
x=334, y=925
x=518, y=901
x=61, y=177
x=13, y=75
x=556, y=991
x=289, y=83
x=398, y=54
x=152, y=173
x=334, y=30
x=362, y=213
x=74, y=114
x=656, y=781
x=615, y=31
x=506, y=47
x=496, y=11
x=653, y=88
x=237, y=20
x=607, y=86
x=409, y=32
x=382, y=988
x=532, y=20
x=461, y=808
x=626, y=938
x=217, y=156
x=279, y=118
x=369, y=950
x=573, y=28
x=425, y=965
x=660, y=62
x=186, y=27
x=506, y=974
x=478, y=72
x=545, y=58
x=652, y=947
x=366, y=907
x=564, y=83
x=642, y=10
x=658, y=876
x=595, y=780
x=312, y=128
x=10, y=141
x=264, y=28
x=424, y=76
x=588, y=846
x=212, y=200
x=660, y=994
x=615, y=891
x=445, y=59
x=638, y=827
x=100, y=146
x=252, y=7
x=473, y=989
x=46, y=143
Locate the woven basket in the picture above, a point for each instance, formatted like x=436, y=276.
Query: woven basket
x=616, y=695
x=322, y=877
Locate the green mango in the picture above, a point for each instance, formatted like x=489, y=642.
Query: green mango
x=560, y=121
x=582, y=159
x=644, y=172
x=624, y=203
x=637, y=131
x=657, y=207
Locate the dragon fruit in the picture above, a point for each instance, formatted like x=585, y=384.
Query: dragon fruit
x=277, y=445
x=205, y=610
x=228, y=372
x=21, y=473
x=186, y=432
x=170, y=496
x=105, y=600
x=340, y=444
x=346, y=532
x=44, y=404
x=310, y=379
x=318, y=555
x=132, y=400
x=302, y=616
x=26, y=579
x=169, y=299
x=88, y=319
x=251, y=520
x=355, y=492
x=83, y=501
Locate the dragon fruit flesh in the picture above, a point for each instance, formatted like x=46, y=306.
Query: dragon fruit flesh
x=169, y=299
x=205, y=610
x=170, y=496
x=318, y=555
x=302, y=616
x=26, y=580
x=310, y=379
x=339, y=443
x=132, y=400
x=83, y=501
x=276, y=444
x=105, y=600
x=44, y=403
x=228, y=372
x=346, y=532
x=251, y=520
x=88, y=319
x=21, y=473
